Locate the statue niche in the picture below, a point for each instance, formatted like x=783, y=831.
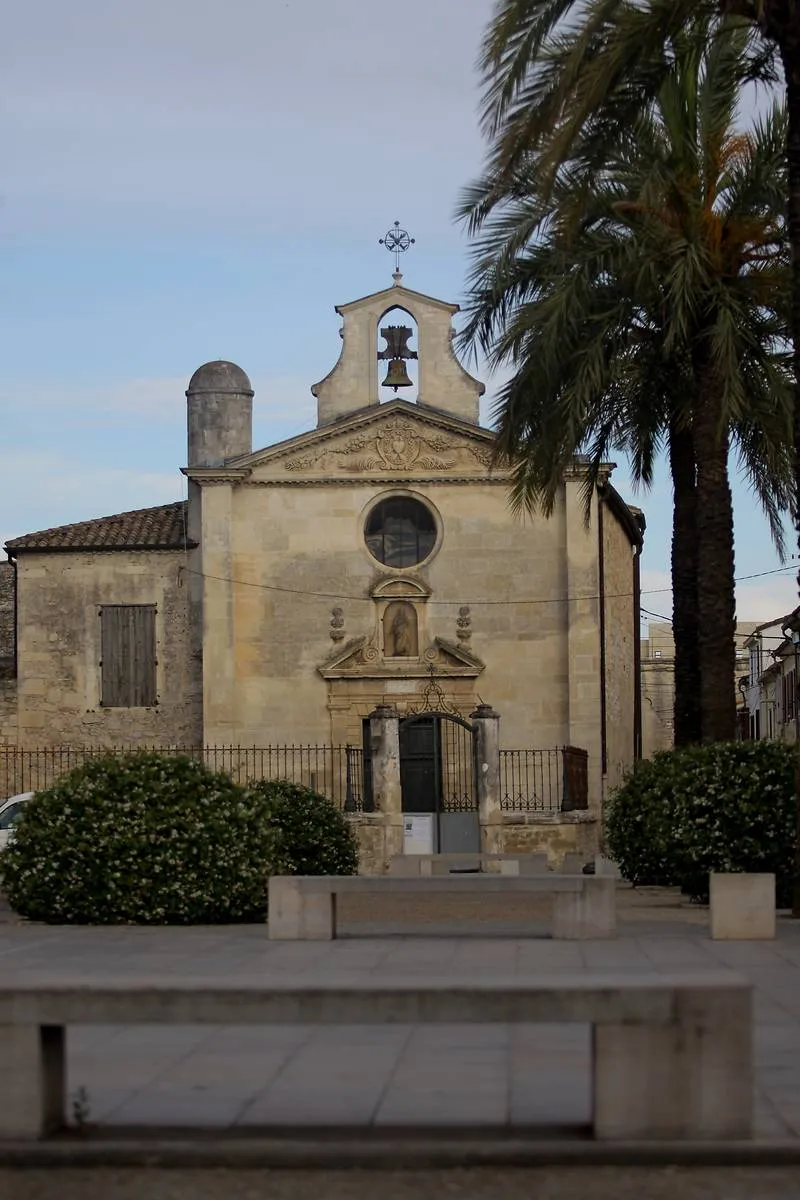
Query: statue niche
x=400, y=634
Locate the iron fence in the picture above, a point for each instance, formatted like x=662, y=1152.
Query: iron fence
x=531, y=780
x=335, y=771
x=544, y=780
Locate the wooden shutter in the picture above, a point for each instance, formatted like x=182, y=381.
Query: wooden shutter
x=128, y=655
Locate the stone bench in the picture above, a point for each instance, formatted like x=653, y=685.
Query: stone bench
x=303, y=907
x=671, y=1054
x=742, y=906
x=411, y=865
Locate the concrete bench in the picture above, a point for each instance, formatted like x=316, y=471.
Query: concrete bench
x=671, y=1055
x=303, y=907
x=411, y=865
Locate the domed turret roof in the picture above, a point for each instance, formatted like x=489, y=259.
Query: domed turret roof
x=219, y=376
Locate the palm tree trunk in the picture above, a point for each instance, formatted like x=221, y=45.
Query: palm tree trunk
x=716, y=603
x=687, y=724
x=791, y=69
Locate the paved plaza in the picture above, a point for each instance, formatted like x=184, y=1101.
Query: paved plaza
x=386, y=1078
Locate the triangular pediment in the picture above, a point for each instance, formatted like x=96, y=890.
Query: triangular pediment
x=360, y=657
x=397, y=296
x=396, y=439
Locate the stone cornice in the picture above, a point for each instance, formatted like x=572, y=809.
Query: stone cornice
x=377, y=481
x=377, y=671
x=360, y=659
x=215, y=476
x=578, y=471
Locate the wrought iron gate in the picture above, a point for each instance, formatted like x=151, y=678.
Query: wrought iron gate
x=438, y=776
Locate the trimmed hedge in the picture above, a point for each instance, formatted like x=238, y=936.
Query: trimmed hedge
x=312, y=836
x=729, y=806
x=141, y=839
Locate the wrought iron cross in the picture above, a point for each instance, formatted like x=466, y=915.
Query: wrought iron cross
x=396, y=241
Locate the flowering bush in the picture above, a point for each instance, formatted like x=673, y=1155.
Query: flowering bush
x=640, y=820
x=724, y=807
x=144, y=838
x=312, y=836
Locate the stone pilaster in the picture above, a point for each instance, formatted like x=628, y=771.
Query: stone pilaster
x=219, y=646
x=583, y=633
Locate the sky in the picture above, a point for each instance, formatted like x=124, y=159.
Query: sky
x=185, y=180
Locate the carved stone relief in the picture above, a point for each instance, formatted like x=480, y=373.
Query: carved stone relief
x=397, y=444
x=464, y=624
x=337, y=625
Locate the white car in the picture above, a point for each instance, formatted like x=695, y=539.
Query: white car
x=9, y=811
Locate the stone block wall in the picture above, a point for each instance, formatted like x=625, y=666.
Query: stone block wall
x=59, y=675
x=557, y=834
x=7, y=631
x=8, y=712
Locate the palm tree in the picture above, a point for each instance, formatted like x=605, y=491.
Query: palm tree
x=639, y=291
x=554, y=69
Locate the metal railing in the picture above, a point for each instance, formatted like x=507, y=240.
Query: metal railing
x=531, y=780
x=544, y=780
x=335, y=771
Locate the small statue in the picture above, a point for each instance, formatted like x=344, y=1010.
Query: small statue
x=400, y=631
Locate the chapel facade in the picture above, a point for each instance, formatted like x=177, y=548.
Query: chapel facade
x=361, y=563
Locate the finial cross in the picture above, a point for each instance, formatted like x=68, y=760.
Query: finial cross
x=396, y=241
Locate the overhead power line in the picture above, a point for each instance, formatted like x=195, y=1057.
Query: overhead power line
x=472, y=603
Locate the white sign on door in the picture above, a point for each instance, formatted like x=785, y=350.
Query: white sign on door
x=418, y=833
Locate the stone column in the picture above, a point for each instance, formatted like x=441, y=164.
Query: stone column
x=387, y=796
x=384, y=731
x=486, y=724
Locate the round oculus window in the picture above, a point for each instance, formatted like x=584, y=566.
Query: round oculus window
x=400, y=532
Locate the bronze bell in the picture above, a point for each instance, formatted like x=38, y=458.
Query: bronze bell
x=397, y=375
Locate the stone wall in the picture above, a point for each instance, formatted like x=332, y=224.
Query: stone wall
x=270, y=637
x=7, y=580
x=59, y=674
x=8, y=683
x=354, y=382
x=621, y=633
x=370, y=830
x=557, y=834
x=8, y=712
x=380, y=837
x=658, y=703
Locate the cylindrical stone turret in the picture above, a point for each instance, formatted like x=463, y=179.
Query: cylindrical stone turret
x=219, y=414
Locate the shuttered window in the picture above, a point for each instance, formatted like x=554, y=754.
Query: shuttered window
x=128, y=655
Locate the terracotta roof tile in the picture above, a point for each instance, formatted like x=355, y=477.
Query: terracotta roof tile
x=160, y=528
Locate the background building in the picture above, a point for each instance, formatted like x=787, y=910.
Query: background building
x=658, y=682
x=769, y=688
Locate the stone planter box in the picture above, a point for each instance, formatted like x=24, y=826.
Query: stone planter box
x=742, y=906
